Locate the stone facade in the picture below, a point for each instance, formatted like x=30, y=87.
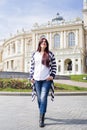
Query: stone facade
x=67, y=40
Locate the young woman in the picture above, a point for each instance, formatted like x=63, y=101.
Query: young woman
x=42, y=73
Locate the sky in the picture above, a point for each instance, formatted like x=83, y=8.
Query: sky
x=18, y=14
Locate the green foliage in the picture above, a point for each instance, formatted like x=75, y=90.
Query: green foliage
x=64, y=87
x=15, y=84
x=1, y=84
x=78, y=77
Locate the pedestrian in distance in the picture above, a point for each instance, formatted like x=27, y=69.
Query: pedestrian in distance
x=42, y=73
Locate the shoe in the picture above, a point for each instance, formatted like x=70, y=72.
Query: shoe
x=41, y=120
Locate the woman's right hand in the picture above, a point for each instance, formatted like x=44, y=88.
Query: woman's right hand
x=32, y=80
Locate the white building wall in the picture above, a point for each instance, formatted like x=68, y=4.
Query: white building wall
x=22, y=58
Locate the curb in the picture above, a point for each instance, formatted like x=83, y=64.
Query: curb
x=15, y=93
x=56, y=93
x=71, y=93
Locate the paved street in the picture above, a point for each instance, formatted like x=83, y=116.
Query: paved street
x=65, y=113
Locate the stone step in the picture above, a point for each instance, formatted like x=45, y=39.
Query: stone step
x=6, y=74
x=62, y=77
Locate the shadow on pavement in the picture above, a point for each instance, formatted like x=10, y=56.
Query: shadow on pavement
x=66, y=121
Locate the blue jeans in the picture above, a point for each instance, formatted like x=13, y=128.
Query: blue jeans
x=42, y=90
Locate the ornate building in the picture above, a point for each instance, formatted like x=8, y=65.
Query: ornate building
x=67, y=40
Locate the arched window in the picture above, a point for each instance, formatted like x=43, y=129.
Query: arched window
x=59, y=68
x=12, y=64
x=7, y=65
x=13, y=47
x=57, y=41
x=71, y=39
x=8, y=49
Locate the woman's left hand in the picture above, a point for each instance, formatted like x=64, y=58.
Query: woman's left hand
x=49, y=78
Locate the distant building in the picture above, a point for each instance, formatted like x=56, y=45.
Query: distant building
x=67, y=40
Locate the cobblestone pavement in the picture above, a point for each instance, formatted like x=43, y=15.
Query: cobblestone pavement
x=65, y=113
x=74, y=83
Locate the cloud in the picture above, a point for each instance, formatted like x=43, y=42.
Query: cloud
x=17, y=14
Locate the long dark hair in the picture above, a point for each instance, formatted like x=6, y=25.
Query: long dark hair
x=45, y=57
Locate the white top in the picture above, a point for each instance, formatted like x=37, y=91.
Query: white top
x=41, y=72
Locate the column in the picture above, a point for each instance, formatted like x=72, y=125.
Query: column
x=57, y=66
x=26, y=47
x=64, y=41
x=47, y=37
x=50, y=46
x=81, y=40
x=16, y=42
x=22, y=45
x=33, y=42
x=10, y=66
x=10, y=48
x=76, y=38
x=73, y=66
x=61, y=40
x=49, y=40
x=62, y=66
x=79, y=66
x=23, y=52
x=36, y=41
x=5, y=67
x=84, y=4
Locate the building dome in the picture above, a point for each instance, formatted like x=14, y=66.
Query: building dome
x=58, y=18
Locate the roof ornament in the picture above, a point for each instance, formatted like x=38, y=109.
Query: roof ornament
x=58, y=18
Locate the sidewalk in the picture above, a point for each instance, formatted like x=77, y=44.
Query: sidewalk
x=65, y=113
x=73, y=83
